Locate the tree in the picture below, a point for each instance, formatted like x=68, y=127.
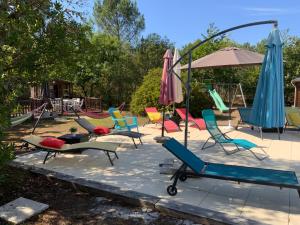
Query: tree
x=37, y=42
x=150, y=51
x=119, y=18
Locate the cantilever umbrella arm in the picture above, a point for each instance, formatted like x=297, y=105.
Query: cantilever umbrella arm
x=189, y=54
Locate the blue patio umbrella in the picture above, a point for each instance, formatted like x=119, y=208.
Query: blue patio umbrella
x=268, y=105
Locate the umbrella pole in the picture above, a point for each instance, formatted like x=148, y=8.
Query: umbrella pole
x=188, y=93
x=163, y=123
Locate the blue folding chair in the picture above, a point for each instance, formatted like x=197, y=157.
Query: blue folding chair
x=199, y=168
x=221, y=138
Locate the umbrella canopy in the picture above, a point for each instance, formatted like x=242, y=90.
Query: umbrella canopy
x=166, y=85
x=228, y=57
x=268, y=105
x=177, y=87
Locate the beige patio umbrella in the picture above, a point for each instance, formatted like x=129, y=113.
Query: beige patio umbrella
x=228, y=57
x=178, y=97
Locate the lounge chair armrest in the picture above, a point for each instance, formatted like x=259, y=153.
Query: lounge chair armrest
x=133, y=118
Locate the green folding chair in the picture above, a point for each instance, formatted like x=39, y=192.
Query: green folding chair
x=221, y=138
x=218, y=101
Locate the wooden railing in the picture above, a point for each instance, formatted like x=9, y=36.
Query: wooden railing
x=26, y=106
x=93, y=104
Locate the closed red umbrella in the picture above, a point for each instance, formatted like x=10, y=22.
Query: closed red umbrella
x=166, y=86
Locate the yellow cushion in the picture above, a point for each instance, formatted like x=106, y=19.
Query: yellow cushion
x=118, y=115
x=154, y=116
x=295, y=118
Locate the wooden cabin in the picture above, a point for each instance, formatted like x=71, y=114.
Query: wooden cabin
x=296, y=84
x=52, y=89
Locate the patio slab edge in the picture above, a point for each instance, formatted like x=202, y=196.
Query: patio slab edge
x=168, y=207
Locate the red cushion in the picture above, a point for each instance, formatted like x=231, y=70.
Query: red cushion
x=52, y=142
x=101, y=130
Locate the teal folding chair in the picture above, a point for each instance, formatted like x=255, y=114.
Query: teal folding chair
x=200, y=168
x=221, y=138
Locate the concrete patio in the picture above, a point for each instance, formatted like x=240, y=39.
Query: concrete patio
x=137, y=170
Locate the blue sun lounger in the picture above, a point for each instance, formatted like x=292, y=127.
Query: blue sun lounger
x=270, y=177
x=221, y=138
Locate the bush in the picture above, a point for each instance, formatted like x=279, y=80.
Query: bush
x=199, y=99
x=6, y=154
x=147, y=94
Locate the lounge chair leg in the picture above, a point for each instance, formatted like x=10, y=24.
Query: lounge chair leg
x=141, y=141
x=108, y=155
x=134, y=143
x=203, y=146
x=116, y=155
x=46, y=157
x=259, y=157
x=299, y=192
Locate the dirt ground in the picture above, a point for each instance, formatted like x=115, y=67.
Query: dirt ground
x=72, y=206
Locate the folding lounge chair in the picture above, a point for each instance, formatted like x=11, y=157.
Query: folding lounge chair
x=198, y=122
x=153, y=115
x=245, y=118
x=292, y=115
x=123, y=122
x=221, y=138
x=218, y=101
x=269, y=177
x=107, y=147
x=90, y=128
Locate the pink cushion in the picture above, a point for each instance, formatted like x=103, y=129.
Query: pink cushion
x=52, y=142
x=101, y=130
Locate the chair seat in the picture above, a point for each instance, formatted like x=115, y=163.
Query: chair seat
x=240, y=142
x=257, y=175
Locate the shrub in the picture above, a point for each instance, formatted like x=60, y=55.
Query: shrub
x=6, y=154
x=199, y=99
x=147, y=94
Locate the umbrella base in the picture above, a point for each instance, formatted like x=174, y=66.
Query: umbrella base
x=160, y=139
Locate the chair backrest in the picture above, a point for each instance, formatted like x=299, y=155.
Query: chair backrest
x=291, y=114
x=245, y=114
x=218, y=100
x=183, y=154
x=211, y=124
x=151, y=109
x=85, y=124
x=117, y=117
x=181, y=112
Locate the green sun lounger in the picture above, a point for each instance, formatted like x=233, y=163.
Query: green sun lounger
x=107, y=147
x=221, y=138
x=199, y=168
x=218, y=101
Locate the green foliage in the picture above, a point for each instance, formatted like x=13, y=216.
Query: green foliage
x=6, y=155
x=150, y=51
x=148, y=93
x=199, y=99
x=119, y=18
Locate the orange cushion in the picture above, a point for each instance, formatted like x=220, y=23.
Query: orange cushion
x=101, y=130
x=52, y=142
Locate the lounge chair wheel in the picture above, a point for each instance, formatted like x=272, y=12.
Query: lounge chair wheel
x=183, y=177
x=172, y=190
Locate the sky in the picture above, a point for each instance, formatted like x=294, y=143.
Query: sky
x=183, y=21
